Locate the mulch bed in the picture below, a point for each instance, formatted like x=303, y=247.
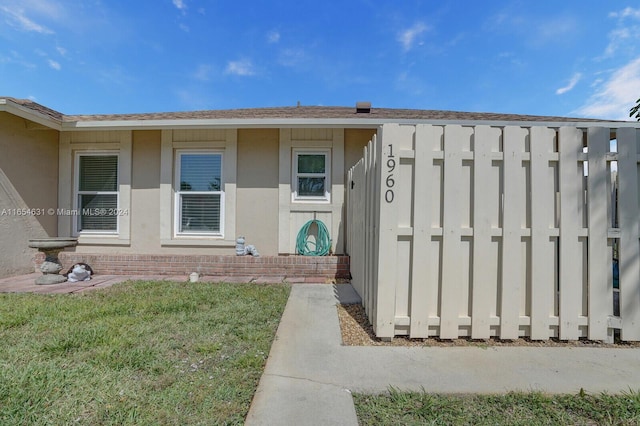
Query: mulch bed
x=357, y=331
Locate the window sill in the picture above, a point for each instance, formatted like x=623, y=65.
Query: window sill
x=311, y=200
x=198, y=242
x=103, y=240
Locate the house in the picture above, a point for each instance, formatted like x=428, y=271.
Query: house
x=167, y=191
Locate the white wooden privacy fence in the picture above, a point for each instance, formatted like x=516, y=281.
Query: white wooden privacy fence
x=507, y=231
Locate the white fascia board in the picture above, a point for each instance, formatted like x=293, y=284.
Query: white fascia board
x=318, y=123
x=218, y=123
x=6, y=105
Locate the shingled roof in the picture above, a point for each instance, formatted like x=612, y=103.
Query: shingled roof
x=296, y=112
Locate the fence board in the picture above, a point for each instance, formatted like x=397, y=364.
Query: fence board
x=372, y=211
x=387, y=237
x=629, y=233
x=451, y=233
x=484, y=275
x=356, y=224
x=422, y=210
x=569, y=146
x=542, y=220
x=511, y=279
x=600, y=296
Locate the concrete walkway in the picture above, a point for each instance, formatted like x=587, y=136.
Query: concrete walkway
x=309, y=375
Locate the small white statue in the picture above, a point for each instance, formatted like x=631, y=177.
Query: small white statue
x=79, y=272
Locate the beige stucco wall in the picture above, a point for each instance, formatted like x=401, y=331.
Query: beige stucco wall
x=257, y=191
x=28, y=180
x=145, y=191
x=258, y=184
x=145, y=199
x=261, y=194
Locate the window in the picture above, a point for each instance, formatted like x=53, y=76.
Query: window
x=311, y=171
x=199, y=194
x=97, y=192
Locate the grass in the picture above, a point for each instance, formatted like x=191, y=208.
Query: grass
x=143, y=353
x=516, y=408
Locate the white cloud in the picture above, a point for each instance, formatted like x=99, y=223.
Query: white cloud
x=617, y=38
x=613, y=99
x=625, y=13
x=18, y=18
x=242, y=67
x=408, y=37
x=273, y=36
x=625, y=34
x=55, y=65
x=181, y=5
x=572, y=83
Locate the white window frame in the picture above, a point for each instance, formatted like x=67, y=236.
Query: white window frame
x=327, y=175
x=178, y=195
x=76, y=193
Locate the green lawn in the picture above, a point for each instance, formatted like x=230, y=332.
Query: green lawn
x=143, y=353
x=532, y=408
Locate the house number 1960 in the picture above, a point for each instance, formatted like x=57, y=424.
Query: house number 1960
x=389, y=181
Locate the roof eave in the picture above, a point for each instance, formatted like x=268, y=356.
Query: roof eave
x=11, y=107
x=316, y=122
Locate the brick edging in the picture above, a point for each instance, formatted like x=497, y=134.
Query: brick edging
x=209, y=265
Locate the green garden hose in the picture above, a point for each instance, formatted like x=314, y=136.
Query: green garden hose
x=306, y=247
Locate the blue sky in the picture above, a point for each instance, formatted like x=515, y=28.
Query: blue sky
x=568, y=58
